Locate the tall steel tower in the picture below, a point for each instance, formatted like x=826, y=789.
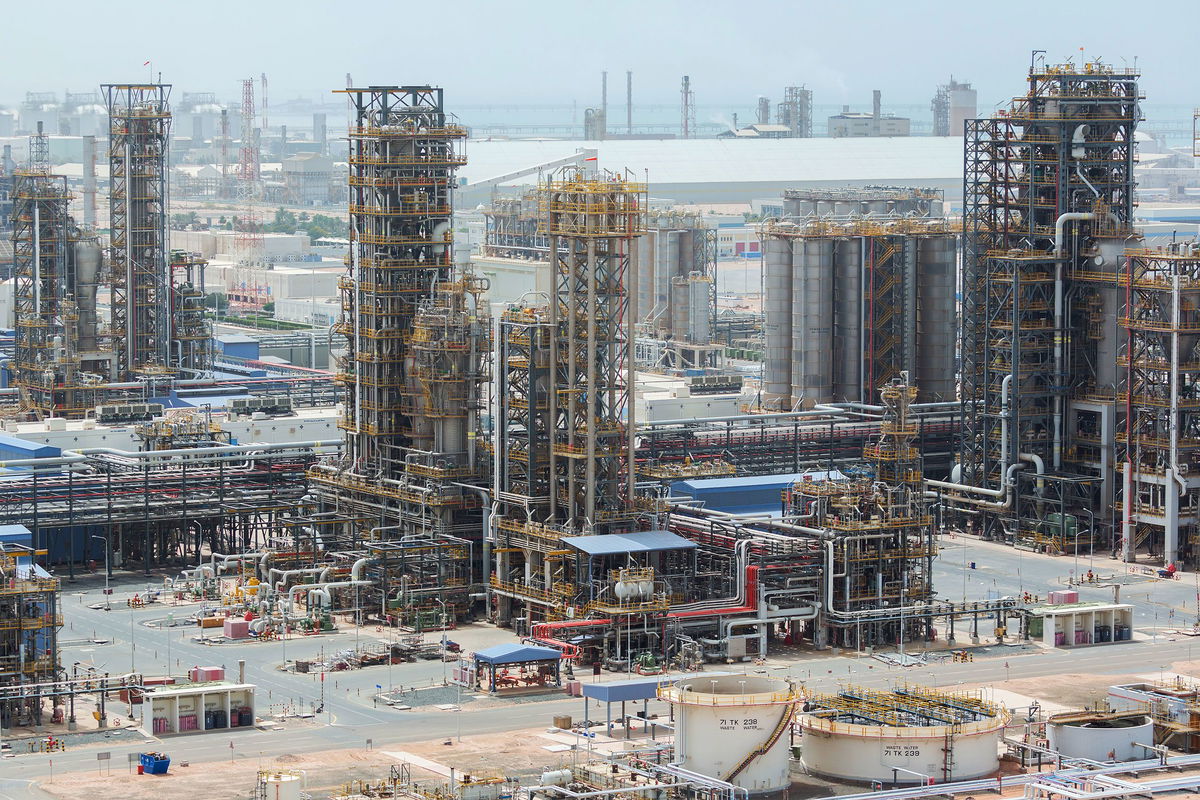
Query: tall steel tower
x=139, y=138
x=1048, y=207
x=416, y=348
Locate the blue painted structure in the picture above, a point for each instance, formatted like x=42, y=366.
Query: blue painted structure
x=760, y=493
x=13, y=449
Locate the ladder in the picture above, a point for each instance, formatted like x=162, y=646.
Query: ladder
x=763, y=748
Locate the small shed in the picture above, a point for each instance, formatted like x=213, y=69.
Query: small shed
x=517, y=666
x=644, y=689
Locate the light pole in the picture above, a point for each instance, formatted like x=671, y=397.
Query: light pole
x=442, y=603
x=1091, y=539
x=107, y=607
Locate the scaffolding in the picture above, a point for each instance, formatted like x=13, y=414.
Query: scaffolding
x=139, y=138
x=1048, y=188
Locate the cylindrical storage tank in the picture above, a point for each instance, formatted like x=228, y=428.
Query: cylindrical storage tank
x=680, y=307
x=664, y=271
x=700, y=309
x=777, y=321
x=282, y=784
x=812, y=321
x=799, y=321
x=1100, y=736
x=847, y=323
x=734, y=728
x=645, y=273
x=937, y=330
x=904, y=754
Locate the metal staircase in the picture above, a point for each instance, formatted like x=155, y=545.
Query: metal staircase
x=765, y=747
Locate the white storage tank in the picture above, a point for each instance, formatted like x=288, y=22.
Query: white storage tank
x=1100, y=735
x=907, y=735
x=281, y=784
x=734, y=728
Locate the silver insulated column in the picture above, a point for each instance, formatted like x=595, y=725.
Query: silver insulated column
x=936, y=318
x=777, y=322
x=847, y=340
x=812, y=321
x=700, y=308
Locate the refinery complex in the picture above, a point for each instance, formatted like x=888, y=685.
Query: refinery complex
x=434, y=455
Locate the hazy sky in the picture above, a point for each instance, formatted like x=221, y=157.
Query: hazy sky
x=541, y=51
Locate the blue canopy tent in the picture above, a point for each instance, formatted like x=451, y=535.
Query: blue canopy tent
x=529, y=664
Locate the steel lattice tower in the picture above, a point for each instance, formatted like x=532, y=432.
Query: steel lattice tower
x=43, y=238
x=139, y=138
x=402, y=164
x=417, y=340
x=1048, y=201
x=593, y=225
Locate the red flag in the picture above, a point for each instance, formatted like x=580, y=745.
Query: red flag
x=593, y=158
x=145, y=63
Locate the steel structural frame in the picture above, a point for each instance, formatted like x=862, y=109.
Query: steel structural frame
x=43, y=235
x=402, y=162
x=1066, y=146
x=139, y=141
x=1158, y=438
x=418, y=338
x=593, y=224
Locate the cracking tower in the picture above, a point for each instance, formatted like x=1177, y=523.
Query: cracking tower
x=139, y=137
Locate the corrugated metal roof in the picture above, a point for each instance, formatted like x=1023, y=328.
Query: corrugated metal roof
x=639, y=542
x=516, y=653
x=912, y=159
x=752, y=482
x=621, y=691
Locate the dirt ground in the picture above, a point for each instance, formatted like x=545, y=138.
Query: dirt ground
x=325, y=772
x=511, y=754
x=1080, y=690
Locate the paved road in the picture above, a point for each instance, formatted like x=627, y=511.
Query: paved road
x=349, y=718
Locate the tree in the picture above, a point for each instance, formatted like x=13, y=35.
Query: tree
x=284, y=222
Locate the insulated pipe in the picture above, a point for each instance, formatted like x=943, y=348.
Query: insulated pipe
x=201, y=451
x=1005, y=390
x=322, y=588
x=815, y=411
x=283, y=574
x=1005, y=490
x=1059, y=332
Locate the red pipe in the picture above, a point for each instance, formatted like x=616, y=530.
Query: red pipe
x=541, y=632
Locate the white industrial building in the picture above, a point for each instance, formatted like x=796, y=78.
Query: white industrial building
x=729, y=170
x=213, y=243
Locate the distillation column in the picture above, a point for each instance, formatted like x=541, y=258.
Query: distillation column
x=139, y=138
